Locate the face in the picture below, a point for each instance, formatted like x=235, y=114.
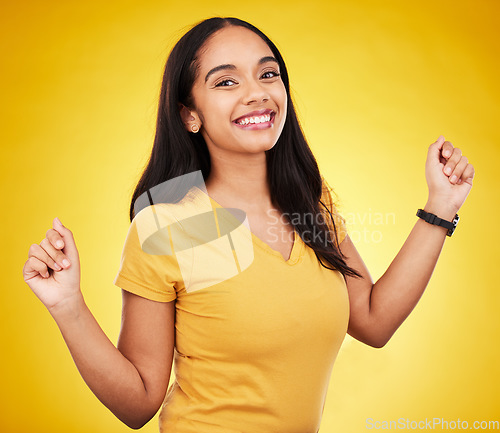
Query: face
x=239, y=98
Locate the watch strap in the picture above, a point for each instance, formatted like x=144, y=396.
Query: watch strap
x=435, y=220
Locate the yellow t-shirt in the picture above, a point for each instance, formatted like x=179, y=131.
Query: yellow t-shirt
x=256, y=340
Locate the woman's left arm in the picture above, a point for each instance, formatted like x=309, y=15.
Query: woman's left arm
x=378, y=309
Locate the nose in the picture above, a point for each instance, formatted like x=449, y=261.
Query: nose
x=255, y=92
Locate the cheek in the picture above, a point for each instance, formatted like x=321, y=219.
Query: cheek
x=216, y=112
x=281, y=97
x=282, y=100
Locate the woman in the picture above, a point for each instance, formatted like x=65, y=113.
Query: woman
x=254, y=342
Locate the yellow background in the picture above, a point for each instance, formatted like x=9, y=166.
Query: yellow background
x=374, y=82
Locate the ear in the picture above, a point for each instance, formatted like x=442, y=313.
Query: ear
x=190, y=119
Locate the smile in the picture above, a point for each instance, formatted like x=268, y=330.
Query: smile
x=260, y=119
x=256, y=120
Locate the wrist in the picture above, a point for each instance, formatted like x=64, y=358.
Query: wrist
x=69, y=308
x=440, y=209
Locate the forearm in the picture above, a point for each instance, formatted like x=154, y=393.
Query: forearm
x=396, y=293
x=112, y=378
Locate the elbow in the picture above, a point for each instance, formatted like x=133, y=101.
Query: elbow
x=375, y=340
x=135, y=424
x=136, y=421
x=377, y=343
x=380, y=339
x=139, y=411
x=372, y=333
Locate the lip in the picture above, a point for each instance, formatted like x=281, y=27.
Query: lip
x=257, y=125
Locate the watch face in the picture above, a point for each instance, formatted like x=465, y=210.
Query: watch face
x=454, y=222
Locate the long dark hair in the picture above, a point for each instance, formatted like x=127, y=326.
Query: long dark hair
x=292, y=171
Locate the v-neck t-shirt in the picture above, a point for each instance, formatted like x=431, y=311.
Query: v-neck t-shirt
x=256, y=336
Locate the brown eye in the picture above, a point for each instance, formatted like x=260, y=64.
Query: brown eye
x=270, y=74
x=224, y=83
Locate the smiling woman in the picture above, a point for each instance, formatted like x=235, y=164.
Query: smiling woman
x=248, y=93
x=251, y=321
x=221, y=80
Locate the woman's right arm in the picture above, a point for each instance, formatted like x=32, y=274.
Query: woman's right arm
x=130, y=380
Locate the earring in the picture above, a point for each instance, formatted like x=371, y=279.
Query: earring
x=195, y=128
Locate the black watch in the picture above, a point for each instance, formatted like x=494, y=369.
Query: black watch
x=434, y=219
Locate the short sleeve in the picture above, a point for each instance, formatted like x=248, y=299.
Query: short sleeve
x=340, y=222
x=147, y=274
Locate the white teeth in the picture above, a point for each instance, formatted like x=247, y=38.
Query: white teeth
x=257, y=119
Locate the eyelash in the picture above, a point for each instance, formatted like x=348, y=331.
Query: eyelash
x=220, y=83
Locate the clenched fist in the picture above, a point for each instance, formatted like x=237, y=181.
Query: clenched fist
x=449, y=174
x=52, y=270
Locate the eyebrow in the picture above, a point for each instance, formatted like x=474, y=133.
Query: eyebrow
x=232, y=67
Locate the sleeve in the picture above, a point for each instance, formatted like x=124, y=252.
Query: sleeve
x=340, y=222
x=147, y=274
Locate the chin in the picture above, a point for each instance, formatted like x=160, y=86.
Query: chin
x=260, y=144
x=259, y=147
x=252, y=145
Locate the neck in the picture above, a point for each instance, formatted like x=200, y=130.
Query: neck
x=240, y=184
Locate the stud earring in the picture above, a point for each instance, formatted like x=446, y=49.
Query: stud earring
x=195, y=128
